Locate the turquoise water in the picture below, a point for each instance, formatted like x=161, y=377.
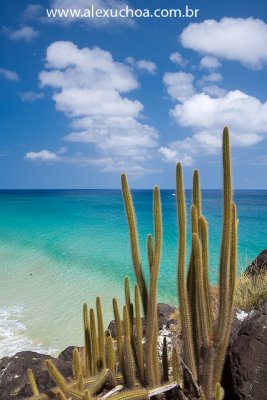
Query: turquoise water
x=59, y=249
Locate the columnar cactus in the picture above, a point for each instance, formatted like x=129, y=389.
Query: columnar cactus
x=133, y=364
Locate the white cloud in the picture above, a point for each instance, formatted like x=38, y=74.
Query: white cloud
x=174, y=154
x=33, y=11
x=178, y=59
x=142, y=65
x=209, y=62
x=238, y=39
x=9, y=75
x=246, y=116
x=179, y=85
x=213, y=77
x=43, y=155
x=148, y=66
x=25, y=32
x=31, y=96
x=89, y=86
x=214, y=90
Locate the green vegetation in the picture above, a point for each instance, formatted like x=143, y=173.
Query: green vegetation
x=136, y=366
x=250, y=291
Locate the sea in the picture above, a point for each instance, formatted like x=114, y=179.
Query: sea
x=62, y=248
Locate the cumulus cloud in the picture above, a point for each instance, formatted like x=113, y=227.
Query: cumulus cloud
x=238, y=39
x=89, y=87
x=142, y=65
x=246, y=115
x=25, y=32
x=43, y=155
x=178, y=59
x=179, y=85
x=9, y=75
x=31, y=96
x=214, y=90
x=147, y=66
x=209, y=62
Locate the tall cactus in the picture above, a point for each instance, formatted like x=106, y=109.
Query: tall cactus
x=136, y=365
x=206, y=359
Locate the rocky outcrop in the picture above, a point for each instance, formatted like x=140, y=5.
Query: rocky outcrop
x=258, y=265
x=13, y=374
x=245, y=368
x=165, y=312
x=244, y=375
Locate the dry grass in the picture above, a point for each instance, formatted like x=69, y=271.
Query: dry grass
x=250, y=291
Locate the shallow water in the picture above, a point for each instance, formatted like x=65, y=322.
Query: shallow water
x=59, y=249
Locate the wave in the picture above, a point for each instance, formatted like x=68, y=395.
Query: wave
x=13, y=334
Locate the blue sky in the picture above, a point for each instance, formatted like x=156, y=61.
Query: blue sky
x=84, y=99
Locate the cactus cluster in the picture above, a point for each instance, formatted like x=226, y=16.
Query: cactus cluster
x=131, y=368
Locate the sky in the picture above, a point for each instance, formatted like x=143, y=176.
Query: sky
x=84, y=99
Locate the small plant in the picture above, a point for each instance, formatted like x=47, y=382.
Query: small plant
x=251, y=291
x=134, y=364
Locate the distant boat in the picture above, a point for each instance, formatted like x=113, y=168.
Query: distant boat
x=173, y=194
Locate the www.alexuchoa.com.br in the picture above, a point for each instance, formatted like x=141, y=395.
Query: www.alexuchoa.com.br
x=125, y=12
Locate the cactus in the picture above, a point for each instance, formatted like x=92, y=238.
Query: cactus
x=128, y=359
x=111, y=356
x=61, y=396
x=165, y=361
x=176, y=374
x=95, y=348
x=134, y=240
x=139, y=337
x=205, y=347
x=182, y=288
x=101, y=335
x=136, y=366
x=77, y=369
x=118, y=329
x=32, y=382
x=88, y=342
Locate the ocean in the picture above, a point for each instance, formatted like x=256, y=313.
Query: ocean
x=61, y=248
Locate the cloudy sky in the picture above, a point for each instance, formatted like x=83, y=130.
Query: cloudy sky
x=84, y=99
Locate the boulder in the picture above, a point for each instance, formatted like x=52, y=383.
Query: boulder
x=245, y=369
x=258, y=265
x=13, y=374
x=66, y=355
x=165, y=312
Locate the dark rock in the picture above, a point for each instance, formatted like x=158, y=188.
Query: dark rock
x=13, y=374
x=245, y=369
x=165, y=312
x=164, y=318
x=258, y=265
x=112, y=328
x=66, y=355
x=263, y=307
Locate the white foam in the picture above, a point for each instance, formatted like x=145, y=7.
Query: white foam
x=13, y=334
